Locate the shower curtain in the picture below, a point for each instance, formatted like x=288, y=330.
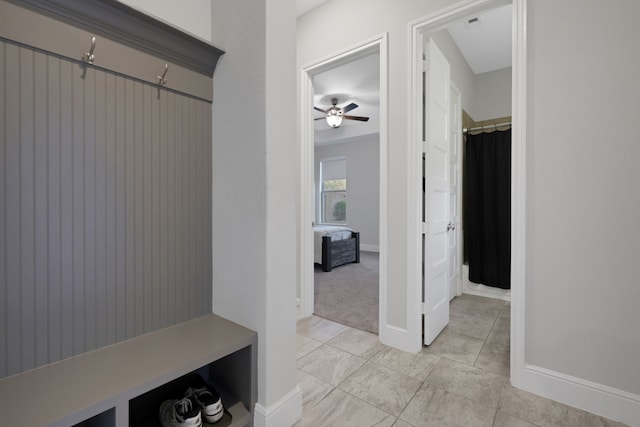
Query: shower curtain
x=488, y=208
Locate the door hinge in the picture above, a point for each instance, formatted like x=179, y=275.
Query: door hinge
x=425, y=227
x=425, y=309
x=425, y=65
x=424, y=147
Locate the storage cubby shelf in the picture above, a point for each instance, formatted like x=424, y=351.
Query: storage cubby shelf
x=97, y=384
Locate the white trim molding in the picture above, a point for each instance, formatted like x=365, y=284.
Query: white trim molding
x=414, y=188
x=298, y=308
x=482, y=290
x=397, y=337
x=306, y=203
x=518, y=189
x=418, y=29
x=599, y=399
x=369, y=248
x=284, y=412
x=306, y=212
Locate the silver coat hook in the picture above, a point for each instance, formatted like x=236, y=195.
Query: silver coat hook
x=89, y=56
x=161, y=79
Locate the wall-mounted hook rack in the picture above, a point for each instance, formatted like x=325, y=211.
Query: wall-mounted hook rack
x=90, y=57
x=162, y=79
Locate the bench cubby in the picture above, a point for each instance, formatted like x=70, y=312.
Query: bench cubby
x=121, y=383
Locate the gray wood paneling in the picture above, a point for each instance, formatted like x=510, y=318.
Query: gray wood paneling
x=105, y=208
x=54, y=210
x=3, y=240
x=12, y=207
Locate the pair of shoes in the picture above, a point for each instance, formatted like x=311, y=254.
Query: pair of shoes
x=209, y=402
x=196, y=405
x=180, y=413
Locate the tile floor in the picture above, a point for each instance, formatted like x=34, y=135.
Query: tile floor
x=349, y=379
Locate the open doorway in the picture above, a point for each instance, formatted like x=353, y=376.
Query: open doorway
x=478, y=48
x=347, y=192
x=424, y=30
x=466, y=82
x=345, y=167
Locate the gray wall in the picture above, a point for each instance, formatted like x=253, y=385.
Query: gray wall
x=105, y=208
x=363, y=183
x=193, y=17
x=583, y=234
x=583, y=237
x=255, y=187
x=461, y=74
x=492, y=97
x=485, y=96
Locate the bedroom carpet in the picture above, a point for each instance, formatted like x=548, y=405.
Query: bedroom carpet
x=349, y=294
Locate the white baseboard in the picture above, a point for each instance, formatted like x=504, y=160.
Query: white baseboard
x=398, y=338
x=285, y=412
x=482, y=290
x=369, y=248
x=598, y=399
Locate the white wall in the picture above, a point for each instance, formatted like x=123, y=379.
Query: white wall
x=254, y=188
x=381, y=17
x=363, y=183
x=193, y=16
x=583, y=234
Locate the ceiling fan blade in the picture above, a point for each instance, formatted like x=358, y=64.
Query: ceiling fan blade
x=359, y=118
x=319, y=109
x=349, y=107
x=320, y=118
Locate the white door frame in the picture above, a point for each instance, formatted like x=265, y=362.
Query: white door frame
x=433, y=23
x=435, y=159
x=306, y=205
x=458, y=180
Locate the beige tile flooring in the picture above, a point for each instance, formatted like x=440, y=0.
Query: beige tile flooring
x=349, y=379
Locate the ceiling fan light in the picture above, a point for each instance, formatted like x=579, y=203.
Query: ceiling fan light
x=334, y=117
x=334, y=121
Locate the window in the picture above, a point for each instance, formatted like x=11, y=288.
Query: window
x=333, y=191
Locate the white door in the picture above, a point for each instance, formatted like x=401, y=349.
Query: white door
x=455, y=194
x=436, y=193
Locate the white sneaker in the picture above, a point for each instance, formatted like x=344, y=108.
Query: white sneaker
x=180, y=413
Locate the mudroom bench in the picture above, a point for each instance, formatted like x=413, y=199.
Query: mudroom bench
x=121, y=384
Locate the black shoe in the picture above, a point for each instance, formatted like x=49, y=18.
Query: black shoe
x=180, y=413
x=208, y=401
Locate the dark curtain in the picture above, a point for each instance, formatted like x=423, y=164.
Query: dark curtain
x=488, y=208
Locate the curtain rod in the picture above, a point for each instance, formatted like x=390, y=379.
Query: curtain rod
x=494, y=127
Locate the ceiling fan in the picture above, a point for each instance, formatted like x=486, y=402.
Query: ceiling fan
x=334, y=115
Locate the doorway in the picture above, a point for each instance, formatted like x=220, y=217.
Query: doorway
x=421, y=30
x=309, y=190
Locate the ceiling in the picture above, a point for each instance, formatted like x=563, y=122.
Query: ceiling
x=304, y=6
x=483, y=39
x=357, y=81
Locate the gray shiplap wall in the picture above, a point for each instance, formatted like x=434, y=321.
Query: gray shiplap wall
x=105, y=208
